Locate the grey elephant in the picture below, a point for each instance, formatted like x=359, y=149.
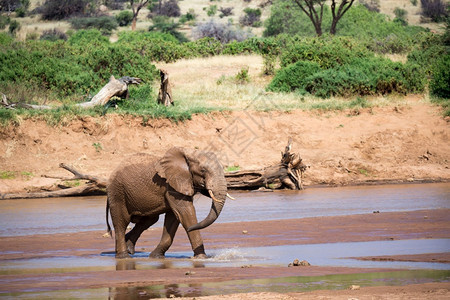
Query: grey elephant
x=144, y=187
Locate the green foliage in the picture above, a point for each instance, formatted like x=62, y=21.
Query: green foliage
x=327, y=51
x=373, y=29
x=211, y=10
x=440, y=79
x=242, y=76
x=105, y=24
x=286, y=17
x=7, y=175
x=251, y=18
x=124, y=18
x=4, y=20
x=165, y=25
x=292, y=78
x=429, y=48
x=71, y=69
x=14, y=26
x=61, y=9
x=366, y=76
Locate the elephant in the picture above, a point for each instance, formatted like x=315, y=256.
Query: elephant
x=144, y=187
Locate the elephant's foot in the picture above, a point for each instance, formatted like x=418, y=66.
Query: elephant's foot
x=122, y=255
x=156, y=254
x=200, y=256
x=130, y=247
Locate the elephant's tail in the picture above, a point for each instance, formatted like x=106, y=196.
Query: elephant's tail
x=108, y=227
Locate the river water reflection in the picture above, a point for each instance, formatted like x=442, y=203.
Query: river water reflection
x=61, y=215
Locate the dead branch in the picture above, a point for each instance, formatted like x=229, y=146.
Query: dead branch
x=165, y=90
x=287, y=174
x=115, y=87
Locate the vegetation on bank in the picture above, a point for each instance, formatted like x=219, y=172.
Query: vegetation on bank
x=68, y=68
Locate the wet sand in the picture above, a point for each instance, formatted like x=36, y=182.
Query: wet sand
x=424, y=224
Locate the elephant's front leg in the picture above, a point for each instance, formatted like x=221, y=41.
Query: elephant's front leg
x=184, y=211
x=171, y=224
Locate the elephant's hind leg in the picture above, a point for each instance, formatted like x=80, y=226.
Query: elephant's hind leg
x=120, y=223
x=171, y=224
x=131, y=237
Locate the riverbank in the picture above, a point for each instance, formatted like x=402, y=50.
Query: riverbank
x=408, y=142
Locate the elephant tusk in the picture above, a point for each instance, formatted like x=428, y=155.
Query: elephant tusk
x=214, y=198
x=228, y=195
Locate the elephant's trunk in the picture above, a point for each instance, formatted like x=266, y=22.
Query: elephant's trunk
x=218, y=196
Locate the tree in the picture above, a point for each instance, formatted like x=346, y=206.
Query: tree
x=136, y=7
x=314, y=10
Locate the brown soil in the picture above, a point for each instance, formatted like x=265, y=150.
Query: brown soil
x=387, y=144
x=409, y=143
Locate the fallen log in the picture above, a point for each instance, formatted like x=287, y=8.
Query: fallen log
x=114, y=88
x=287, y=174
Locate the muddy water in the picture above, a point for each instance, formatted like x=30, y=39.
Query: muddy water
x=25, y=217
x=61, y=215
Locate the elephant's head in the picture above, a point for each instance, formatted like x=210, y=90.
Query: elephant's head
x=189, y=171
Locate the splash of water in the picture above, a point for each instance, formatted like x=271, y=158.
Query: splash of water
x=230, y=254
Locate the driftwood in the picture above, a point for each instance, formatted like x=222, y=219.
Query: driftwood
x=165, y=91
x=95, y=185
x=287, y=174
x=115, y=87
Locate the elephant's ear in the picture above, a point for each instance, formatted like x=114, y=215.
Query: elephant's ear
x=175, y=169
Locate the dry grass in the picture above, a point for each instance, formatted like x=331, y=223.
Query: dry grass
x=195, y=83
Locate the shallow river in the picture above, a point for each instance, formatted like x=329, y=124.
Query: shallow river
x=60, y=215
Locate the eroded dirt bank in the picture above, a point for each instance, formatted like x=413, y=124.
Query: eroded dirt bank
x=407, y=143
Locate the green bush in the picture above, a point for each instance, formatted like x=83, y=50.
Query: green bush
x=366, y=76
x=105, y=24
x=292, y=78
x=124, y=18
x=327, y=51
x=440, y=79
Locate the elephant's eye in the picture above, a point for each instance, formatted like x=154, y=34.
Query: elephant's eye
x=203, y=170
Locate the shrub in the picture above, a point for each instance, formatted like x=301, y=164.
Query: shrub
x=124, y=18
x=434, y=9
x=364, y=77
x=225, y=11
x=164, y=25
x=211, y=10
x=429, y=48
x=14, y=26
x=4, y=20
x=400, y=16
x=62, y=9
x=167, y=8
x=105, y=24
x=53, y=35
x=440, y=79
x=189, y=16
x=292, y=78
x=252, y=17
x=219, y=31
x=326, y=51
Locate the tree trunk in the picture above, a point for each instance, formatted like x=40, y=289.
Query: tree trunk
x=165, y=91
